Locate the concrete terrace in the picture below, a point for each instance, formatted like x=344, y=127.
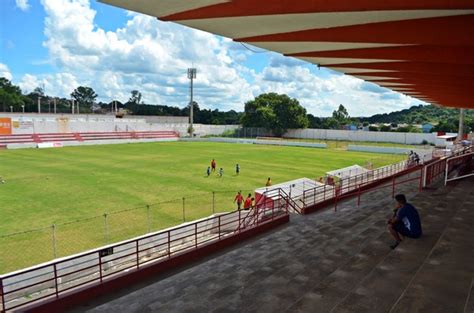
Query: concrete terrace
x=330, y=262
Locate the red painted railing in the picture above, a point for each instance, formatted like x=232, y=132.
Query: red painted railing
x=52, y=279
x=437, y=169
x=392, y=184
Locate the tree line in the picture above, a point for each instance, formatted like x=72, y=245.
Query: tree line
x=272, y=111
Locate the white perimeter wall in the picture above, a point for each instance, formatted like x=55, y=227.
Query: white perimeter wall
x=67, y=123
x=330, y=134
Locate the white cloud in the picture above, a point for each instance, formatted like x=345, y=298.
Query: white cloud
x=22, y=5
x=321, y=95
x=5, y=71
x=152, y=57
x=145, y=54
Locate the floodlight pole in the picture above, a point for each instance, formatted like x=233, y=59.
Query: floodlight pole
x=191, y=75
x=39, y=104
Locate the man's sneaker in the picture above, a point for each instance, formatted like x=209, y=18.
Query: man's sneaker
x=394, y=245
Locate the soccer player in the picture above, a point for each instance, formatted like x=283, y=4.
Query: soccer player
x=269, y=182
x=237, y=169
x=221, y=172
x=213, y=165
x=239, y=199
x=208, y=172
x=248, y=202
x=2, y=181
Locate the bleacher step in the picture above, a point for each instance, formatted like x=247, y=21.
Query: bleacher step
x=379, y=290
x=440, y=284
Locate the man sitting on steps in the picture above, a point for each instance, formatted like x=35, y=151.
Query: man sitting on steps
x=405, y=221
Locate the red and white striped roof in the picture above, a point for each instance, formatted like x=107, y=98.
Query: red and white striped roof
x=422, y=48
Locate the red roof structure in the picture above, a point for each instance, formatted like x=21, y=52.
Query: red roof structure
x=421, y=48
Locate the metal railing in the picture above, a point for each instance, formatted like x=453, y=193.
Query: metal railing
x=437, y=169
x=28, y=247
x=324, y=193
x=459, y=167
x=392, y=184
x=52, y=279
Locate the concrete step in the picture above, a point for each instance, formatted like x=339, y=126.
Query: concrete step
x=382, y=286
x=441, y=284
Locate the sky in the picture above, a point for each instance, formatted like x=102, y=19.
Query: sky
x=63, y=44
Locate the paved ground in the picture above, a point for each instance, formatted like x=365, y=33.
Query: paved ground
x=330, y=262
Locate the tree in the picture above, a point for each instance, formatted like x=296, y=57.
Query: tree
x=275, y=112
x=85, y=96
x=385, y=128
x=341, y=115
x=136, y=97
x=10, y=95
x=38, y=92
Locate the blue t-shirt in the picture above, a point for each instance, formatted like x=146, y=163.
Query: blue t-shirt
x=409, y=216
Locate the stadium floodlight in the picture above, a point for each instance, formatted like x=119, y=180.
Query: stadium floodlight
x=39, y=104
x=191, y=76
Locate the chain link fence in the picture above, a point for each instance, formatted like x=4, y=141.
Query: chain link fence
x=27, y=248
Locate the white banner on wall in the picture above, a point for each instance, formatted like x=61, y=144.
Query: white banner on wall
x=50, y=145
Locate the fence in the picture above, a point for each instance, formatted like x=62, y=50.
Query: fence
x=56, y=278
x=458, y=167
x=348, y=135
x=26, y=248
x=437, y=169
x=321, y=194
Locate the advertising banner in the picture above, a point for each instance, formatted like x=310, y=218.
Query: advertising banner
x=50, y=145
x=5, y=126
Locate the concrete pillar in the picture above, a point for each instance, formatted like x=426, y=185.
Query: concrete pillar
x=461, y=124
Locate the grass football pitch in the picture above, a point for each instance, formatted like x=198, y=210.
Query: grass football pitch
x=74, y=187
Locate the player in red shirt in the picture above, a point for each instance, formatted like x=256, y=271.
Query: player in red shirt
x=239, y=199
x=213, y=165
x=248, y=202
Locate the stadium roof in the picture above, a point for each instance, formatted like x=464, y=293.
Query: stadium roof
x=417, y=47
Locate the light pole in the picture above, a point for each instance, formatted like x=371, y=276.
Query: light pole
x=191, y=76
x=39, y=104
x=23, y=108
x=54, y=105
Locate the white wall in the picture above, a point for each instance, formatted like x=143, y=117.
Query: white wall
x=68, y=123
x=330, y=134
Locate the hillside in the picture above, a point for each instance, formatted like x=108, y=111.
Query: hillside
x=419, y=115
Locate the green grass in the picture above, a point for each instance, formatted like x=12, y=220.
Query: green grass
x=58, y=186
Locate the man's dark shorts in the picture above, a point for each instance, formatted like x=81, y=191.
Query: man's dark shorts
x=401, y=229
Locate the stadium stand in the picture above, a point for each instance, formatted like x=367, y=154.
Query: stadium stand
x=31, y=139
x=331, y=262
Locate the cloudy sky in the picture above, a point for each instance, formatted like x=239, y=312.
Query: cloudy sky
x=62, y=44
